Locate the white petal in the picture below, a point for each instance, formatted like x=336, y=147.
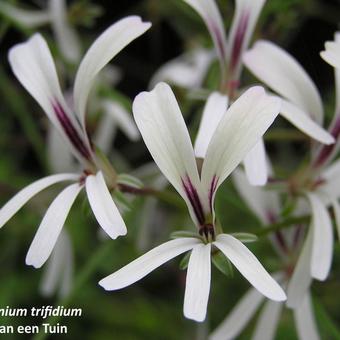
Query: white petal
x=163, y=129
x=263, y=203
x=269, y=319
x=123, y=119
x=214, y=110
x=332, y=53
x=285, y=75
x=34, y=67
x=105, y=47
x=148, y=262
x=238, y=318
x=301, y=279
x=197, y=285
x=337, y=78
x=239, y=130
x=209, y=12
x=249, y=266
x=255, y=164
x=103, y=207
x=59, y=155
x=305, y=322
x=23, y=196
x=58, y=270
x=336, y=209
x=27, y=18
x=51, y=225
x=304, y=123
x=66, y=37
x=243, y=25
x=322, y=250
x=188, y=70
x=331, y=186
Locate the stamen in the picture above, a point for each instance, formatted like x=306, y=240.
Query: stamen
x=212, y=190
x=70, y=130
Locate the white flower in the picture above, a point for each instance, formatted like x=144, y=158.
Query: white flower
x=33, y=65
x=231, y=53
x=265, y=205
x=55, y=14
x=163, y=129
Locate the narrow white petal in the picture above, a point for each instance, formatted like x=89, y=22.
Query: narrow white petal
x=301, y=279
x=163, y=129
x=27, y=18
x=23, y=196
x=213, y=112
x=249, y=266
x=188, y=70
x=66, y=36
x=33, y=65
x=304, y=320
x=255, y=164
x=106, y=46
x=103, y=207
x=331, y=186
x=263, y=203
x=58, y=265
x=337, y=77
x=332, y=53
x=123, y=119
x=51, y=225
x=285, y=75
x=304, y=123
x=269, y=319
x=239, y=130
x=336, y=209
x=243, y=25
x=322, y=250
x=238, y=318
x=211, y=16
x=197, y=285
x=148, y=262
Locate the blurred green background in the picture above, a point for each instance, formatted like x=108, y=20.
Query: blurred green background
x=151, y=308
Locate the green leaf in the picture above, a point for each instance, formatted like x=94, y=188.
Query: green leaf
x=222, y=263
x=184, y=233
x=130, y=181
x=245, y=237
x=184, y=262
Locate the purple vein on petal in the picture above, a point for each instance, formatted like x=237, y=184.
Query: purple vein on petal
x=238, y=41
x=194, y=199
x=327, y=150
x=212, y=190
x=219, y=40
x=70, y=130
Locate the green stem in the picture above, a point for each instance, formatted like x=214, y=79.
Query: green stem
x=84, y=275
x=270, y=228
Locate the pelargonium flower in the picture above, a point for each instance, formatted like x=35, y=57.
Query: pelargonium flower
x=319, y=182
x=265, y=204
x=163, y=129
x=230, y=52
x=33, y=65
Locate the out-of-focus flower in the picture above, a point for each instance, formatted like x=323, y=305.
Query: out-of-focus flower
x=163, y=129
x=265, y=204
x=33, y=65
x=55, y=14
x=187, y=70
x=231, y=52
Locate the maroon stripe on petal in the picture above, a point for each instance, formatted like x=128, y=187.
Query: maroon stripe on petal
x=70, y=130
x=194, y=199
x=327, y=150
x=238, y=40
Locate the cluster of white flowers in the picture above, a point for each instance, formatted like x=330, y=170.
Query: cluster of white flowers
x=229, y=141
